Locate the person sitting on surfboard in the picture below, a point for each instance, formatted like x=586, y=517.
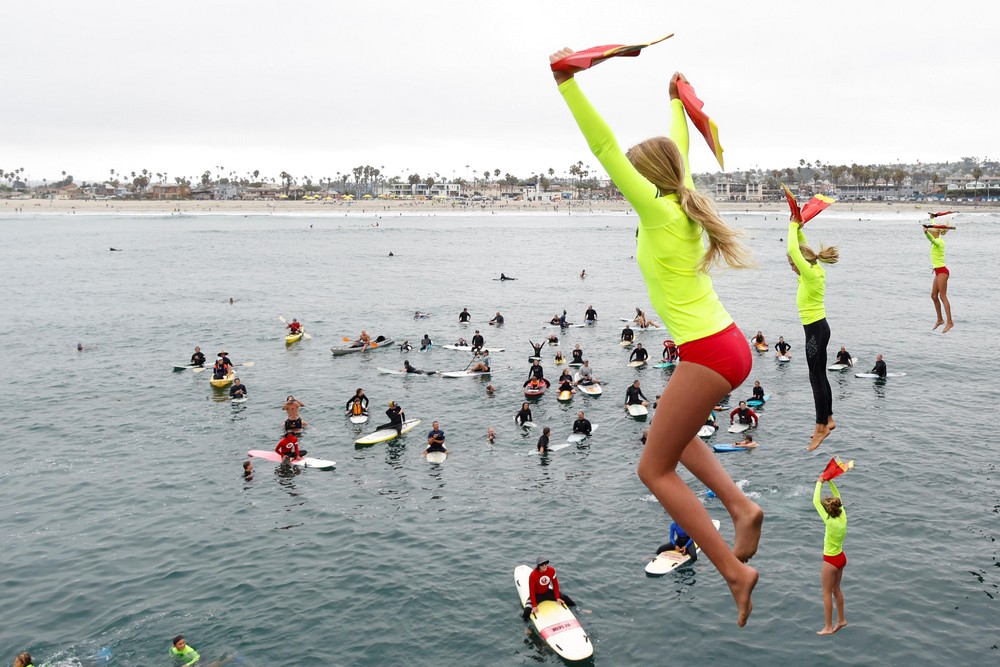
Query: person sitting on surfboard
x=634, y=395
x=577, y=355
x=197, y=359
x=405, y=346
x=523, y=415
x=543, y=585
x=237, y=390
x=464, y=316
x=670, y=352
x=880, y=368
x=591, y=315
x=288, y=448
x=680, y=542
x=758, y=340
x=396, y=418
x=582, y=424
x=294, y=326
x=748, y=442
x=638, y=354
x=537, y=347
x=543, y=441
x=477, y=341
x=559, y=358
x=554, y=320
x=758, y=391
x=566, y=385
x=425, y=343
x=497, y=319
x=627, y=333
x=357, y=404
x=844, y=357
x=744, y=414
x=565, y=377
x=483, y=366
x=435, y=440
x=781, y=348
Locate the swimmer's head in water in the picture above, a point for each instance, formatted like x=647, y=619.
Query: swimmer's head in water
x=832, y=506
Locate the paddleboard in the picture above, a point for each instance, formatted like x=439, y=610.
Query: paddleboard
x=565, y=396
x=468, y=348
x=638, y=411
x=738, y=427
x=636, y=364
x=756, y=402
x=386, y=434
x=706, y=431
x=391, y=371
x=463, y=374
x=568, y=326
x=436, y=457
x=669, y=561
x=873, y=375
x=358, y=419
x=554, y=623
x=731, y=448
x=576, y=364
x=580, y=437
x=761, y=347
x=784, y=359
x=841, y=367
x=305, y=462
x=186, y=367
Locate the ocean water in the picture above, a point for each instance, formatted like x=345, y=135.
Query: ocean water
x=127, y=519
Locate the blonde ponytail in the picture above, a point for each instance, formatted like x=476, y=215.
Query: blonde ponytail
x=826, y=254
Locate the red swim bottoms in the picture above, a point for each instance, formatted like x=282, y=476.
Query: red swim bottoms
x=938, y=270
x=726, y=353
x=838, y=561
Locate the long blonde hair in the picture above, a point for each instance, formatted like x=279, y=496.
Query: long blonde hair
x=826, y=254
x=660, y=162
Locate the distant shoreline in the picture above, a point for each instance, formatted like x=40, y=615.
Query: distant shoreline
x=395, y=207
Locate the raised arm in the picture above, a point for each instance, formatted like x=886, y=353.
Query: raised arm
x=679, y=126
x=816, y=500
x=796, y=237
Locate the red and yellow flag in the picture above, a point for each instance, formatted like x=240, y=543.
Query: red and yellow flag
x=836, y=468
x=810, y=210
x=587, y=58
x=705, y=125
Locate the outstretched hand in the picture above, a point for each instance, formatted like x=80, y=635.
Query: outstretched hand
x=562, y=76
x=794, y=218
x=674, y=95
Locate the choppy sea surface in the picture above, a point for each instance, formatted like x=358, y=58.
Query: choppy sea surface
x=127, y=520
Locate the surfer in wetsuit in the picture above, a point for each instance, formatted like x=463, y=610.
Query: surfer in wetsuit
x=220, y=370
x=405, y=346
x=844, y=357
x=238, y=390
x=503, y=277
x=357, y=404
x=680, y=542
x=435, y=440
x=543, y=441
x=627, y=333
x=591, y=315
x=197, y=359
x=744, y=414
x=559, y=358
x=711, y=421
x=523, y=415
x=879, y=369
x=425, y=343
x=477, y=341
x=461, y=342
x=464, y=316
x=288, y=448
x=407, y=368
x=758, y=391
x=634, y=395
x=638, y=354
x=497, y=319
x=537, y=347
x=553, y=339
x=781, y=348
x=396, y=418
x=536, y=373
x=563, y=322
x=670, y=352
x=577, y=355
x=831, y=510
x=543, y=585
x=582, y=424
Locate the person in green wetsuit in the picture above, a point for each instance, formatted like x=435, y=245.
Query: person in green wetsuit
x=939, y=290
x=831, y=510
x=182, y=653
x=810, y=299
x=674, y=219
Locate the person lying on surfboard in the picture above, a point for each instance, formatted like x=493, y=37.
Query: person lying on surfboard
x=748, y=442
x=554, y=320
x=680, y=542
x=543, y=585
x=744, y=414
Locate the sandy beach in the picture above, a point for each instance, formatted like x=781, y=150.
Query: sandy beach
x=70, y=206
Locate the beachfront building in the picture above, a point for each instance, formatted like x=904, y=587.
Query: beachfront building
x=169, y=191
x=416, y=190
x=727, y=190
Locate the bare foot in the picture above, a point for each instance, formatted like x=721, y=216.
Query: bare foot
x=742, y=588
x=841, y=624
x=819, y=436
x=829, y=424
x=947, y=327
x=826, y=631
x=937, y=324
x=747, y=528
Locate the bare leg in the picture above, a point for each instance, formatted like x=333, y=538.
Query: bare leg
x=838, y=596
x=941, y=282
x=937, y=303
x=828, y=576
x=691, y=394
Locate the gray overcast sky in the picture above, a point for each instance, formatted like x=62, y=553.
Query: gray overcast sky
x=320, y=86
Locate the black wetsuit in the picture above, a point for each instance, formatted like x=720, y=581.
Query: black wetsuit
x=577, y=357
x=638, y=354
x=477, y=342
x=590, y=315
x=238, y=391
x=582, y=426
x=537, y=348
x=880, y=369
x=363, y=400
x=566, y=386
x=628, y=334
x=536, y=372
x=396, y=419
x=523, y=416
x=198, y=359
x=543, y=444
x=844, y=358
x=634, y=396
x=758, y=393
x=497, y=320
x=817, y=338
x=782, y=347
x=219, y=371
x=464, y=316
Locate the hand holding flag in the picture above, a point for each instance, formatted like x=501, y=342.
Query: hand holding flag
x=706, y=126
x=810, y=210
x=835, y=468
x=581, y=60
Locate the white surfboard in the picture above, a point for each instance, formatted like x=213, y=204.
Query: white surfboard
x=463, y=374
x=580, y=437
x=238, y=400
x=554, y=623
x=840, y=367
x=305, y=462
x=636, y=364
x=591, y=389
x=358, y=419
x=668, y=561
x=556, y=448
x=784, y=359
x=626, y=343
x=387, y=434
x=468, y=348
x=873, y=375
x=525, y=424
x=738, y=427
x=638, y=411
x=706, y=431
x=436, y=457
x=392, y=371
